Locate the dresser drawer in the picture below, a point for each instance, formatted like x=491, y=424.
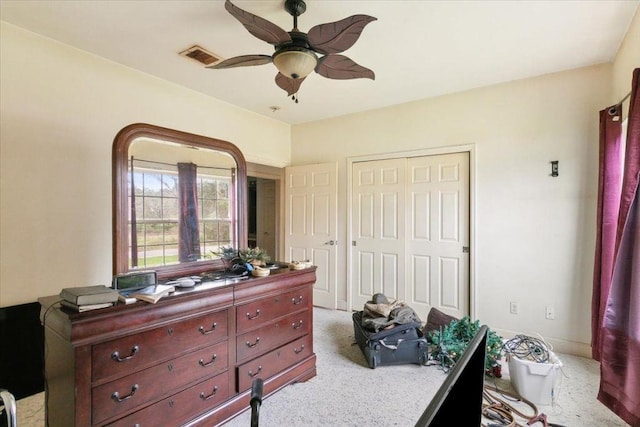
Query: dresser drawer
x=270, y=336
x=176, y=409
x=274, y=362
x=255, y=314
x=121, y=395
x=126, y=355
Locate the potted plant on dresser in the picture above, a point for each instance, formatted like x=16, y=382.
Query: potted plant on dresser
x=256, y=257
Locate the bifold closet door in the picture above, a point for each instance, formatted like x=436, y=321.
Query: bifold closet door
x=438, y=234
x=378, y=230
x=410, y=232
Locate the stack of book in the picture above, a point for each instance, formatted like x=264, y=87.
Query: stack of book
x=85, y=298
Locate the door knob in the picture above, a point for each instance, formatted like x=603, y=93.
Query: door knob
x=331, y=242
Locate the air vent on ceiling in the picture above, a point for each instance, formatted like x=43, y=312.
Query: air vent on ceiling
x=199, y=54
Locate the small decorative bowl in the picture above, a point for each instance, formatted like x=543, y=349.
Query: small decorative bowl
x=260, y=272
x=297, y=265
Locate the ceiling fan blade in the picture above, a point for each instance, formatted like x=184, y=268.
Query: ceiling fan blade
x=259, y=27
x=241, y=61
x=336, y=37
x=340, y=67
x=291, y=86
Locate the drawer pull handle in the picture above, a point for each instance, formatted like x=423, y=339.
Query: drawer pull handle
x=250, y=317
x=116, y=355
x=297, y=301
x=204, y=364
x=210, y=331
x=298, y=351
x=254, y=344
x=297, y=325
x=116, y=396
x=213, y=393
x=252, y=374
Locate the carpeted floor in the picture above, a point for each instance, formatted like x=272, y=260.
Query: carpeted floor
x=346, y=392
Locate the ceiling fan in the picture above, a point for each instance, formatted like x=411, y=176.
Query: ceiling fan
x=296, y=53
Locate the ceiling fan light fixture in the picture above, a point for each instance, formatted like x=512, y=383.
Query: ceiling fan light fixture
x=295, y=62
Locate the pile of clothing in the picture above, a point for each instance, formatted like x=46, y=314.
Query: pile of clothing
x=381, y=313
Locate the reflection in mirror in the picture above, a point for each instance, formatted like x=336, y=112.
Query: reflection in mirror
x=177, y=197
x=183, y=200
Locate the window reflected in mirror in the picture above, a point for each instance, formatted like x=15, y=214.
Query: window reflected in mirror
x=182, y=202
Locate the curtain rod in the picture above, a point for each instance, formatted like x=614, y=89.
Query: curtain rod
x=614, y=109
x=174, y=164
x=625, y=98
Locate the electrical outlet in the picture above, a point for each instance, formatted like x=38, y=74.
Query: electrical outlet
x=550, y=313
x=514, y=307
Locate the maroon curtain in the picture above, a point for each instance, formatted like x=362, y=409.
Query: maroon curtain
x=609, y=187
x=134, y=221
x=620, y=347
x=188, y=230
x=632, y=157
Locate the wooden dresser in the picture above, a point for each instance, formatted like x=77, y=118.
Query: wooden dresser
x=189, y=359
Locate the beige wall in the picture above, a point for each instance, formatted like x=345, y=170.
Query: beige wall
x=627, y=59
x=60, y=111
x=533, y=238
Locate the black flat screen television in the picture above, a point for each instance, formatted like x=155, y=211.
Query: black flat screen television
x=458, y=401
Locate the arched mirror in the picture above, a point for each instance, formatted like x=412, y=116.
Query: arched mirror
x=176, y=198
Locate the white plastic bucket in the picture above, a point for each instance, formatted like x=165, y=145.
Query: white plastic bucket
x=536, y=382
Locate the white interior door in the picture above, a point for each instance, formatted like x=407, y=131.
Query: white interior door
x=311, y=203
x=377, y=252
x=438, y=234
x=410, y=231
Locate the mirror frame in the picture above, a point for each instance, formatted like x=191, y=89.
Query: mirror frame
x=120, y=162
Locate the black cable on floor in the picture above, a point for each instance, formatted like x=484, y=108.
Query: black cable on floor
x=527, y=348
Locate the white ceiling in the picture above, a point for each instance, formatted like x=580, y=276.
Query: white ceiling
x=418, y=49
